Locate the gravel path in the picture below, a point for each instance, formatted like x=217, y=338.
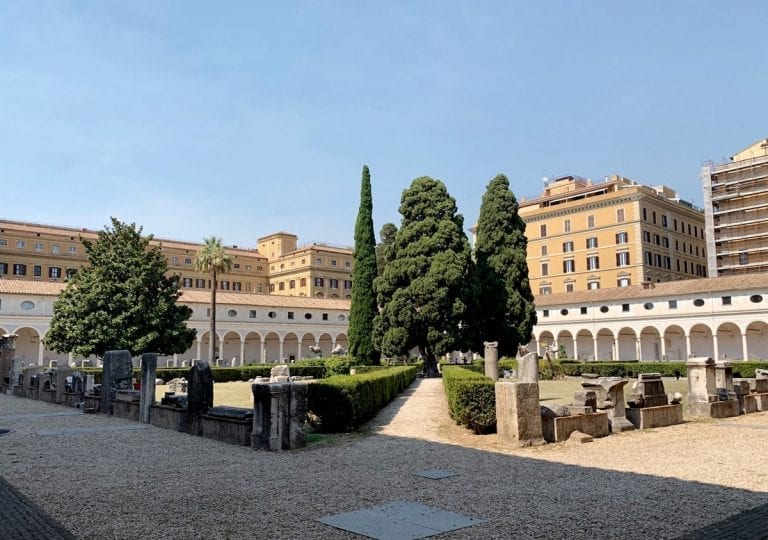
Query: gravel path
x=157, y=483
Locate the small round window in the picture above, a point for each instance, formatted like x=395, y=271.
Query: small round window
x=648, y=305
x=342, y=318
x=755, y=298
x=698, y=302
x=307, y=316
x=563, y=312
x=603, y=309
x=271, y=314
x=26, y=304
x=232, y=313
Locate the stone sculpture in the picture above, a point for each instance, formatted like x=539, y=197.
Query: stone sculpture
x=610, y=398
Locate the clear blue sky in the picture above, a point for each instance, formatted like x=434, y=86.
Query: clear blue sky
x=238, y=119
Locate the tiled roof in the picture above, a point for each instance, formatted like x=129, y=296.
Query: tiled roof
x=45, y=288
x=669, y=288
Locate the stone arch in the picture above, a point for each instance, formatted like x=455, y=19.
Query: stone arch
x=28, y=345
x=307, y=340
x=650, y=344
x=757, y=340
x=565, y=339
x=585, y=345
x=341, y=339
x=252, y=349
x=626, y=339
x=271, y=348
x=604, y=345
x=291, y=351
x=204, y=344
x=729, y=342
x=326, y=344
x=230, y=349
x=701, y=341
x=674, y=344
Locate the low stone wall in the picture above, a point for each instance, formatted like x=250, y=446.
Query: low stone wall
x=559, y=428
x=19, y=391
x=169, y=418
x=92, y=402
x=48, y=395
x=30, y=392
x=715, y=409
x=653, y=417
x=129, y=410
x=70, y=399
x=750, y=404
x=227, y=430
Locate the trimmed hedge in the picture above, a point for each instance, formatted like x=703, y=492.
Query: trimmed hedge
x=344, y=402
x=221, y=374
x=471, y=398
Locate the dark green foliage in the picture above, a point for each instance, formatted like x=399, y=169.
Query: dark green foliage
x=345, y=402
x=364, y=307
x=387, y=235
x=423, y=292
x=121, y=300
x=471, y=398
x=338, y=365
x=220, y=375
x=506, y=311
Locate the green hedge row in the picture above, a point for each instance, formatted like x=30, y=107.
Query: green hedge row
x=221, y=374
x=471, y=398
x=344, y=402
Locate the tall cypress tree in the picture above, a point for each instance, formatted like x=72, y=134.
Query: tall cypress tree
x=508, y=313
x=364, y=307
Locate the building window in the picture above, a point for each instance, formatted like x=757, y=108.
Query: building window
x=743, y=257
x=544, y=250
x=70, y=273
x=259, y=268
x=543, y=230
x=21, y=244
x=593, y=262
x=224, y=285
x=625, y=308
x=590, y=222
x=622, y=258
x=657, y=239
x=174, y=260
x=187, y=260
x=603, y=309
x=247, y=266
x=319, y=282
x=290, y=314
x=593, y=285
x=271, y=314
x=568, y=246
x=38, y=246
x=657, y=260
x=236, y=286
x=292, y=284
x=259, y=287
x=673, y=304
x=583, y=310
x=544, y=269
x=592, y=242
x=318, y=261
x=698, y=302
x=654, y=217
x=647, y=236
x=623, y=282
x=231, y=313
x=237, y=266
x=308, y=316
x=187, y=282
x=333, y=283
x=569, y=266
x=620, y=215
x=347, y=264
x=649, y=258
x=726, y=300
x=200, y=283
x=622, y=237
x=55, y=248
x=544, y=290
x=569, y=287
x=3, y=268
x=665, y=242
x=545, y=313
x=19, y=269
x=3, y=242
x=564, y=312
x=645, y=214
x=348, y=284
x=252, y=314
x=37, y=271
x=281, y=286
x=271, y=287
x=664, y=221
x=333, y=262
x=303, y=282
x=567, y=225
x=72, y=249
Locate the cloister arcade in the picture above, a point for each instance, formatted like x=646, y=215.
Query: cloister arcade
x=648, y=342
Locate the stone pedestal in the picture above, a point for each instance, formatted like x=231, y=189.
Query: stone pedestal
x=610, y=398
x=559, y=428
x=528, y=368
x=61, y=377
x=148, y=378
x=117, y=372
x=518, y=413
x=279, y=410
x=492, y=359
x=653, y=417
x=16, y=370
x=703, y=398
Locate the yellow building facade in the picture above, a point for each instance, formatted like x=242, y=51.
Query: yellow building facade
x=584, y=235
x=278, y=266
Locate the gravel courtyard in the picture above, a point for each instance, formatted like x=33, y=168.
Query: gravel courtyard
x=150, y=482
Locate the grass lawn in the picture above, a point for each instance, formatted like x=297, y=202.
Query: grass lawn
x=233, y=394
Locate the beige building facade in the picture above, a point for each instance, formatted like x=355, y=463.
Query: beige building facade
x=617, y=233
x=736, y=209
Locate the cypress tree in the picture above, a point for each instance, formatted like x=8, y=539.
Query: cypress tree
x=363, y=308
x=508, y=313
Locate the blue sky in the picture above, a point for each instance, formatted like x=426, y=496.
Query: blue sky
x=238, y=119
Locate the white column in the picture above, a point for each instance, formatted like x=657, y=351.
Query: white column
x=242, y=351
x=282, y=346
x=40, y=351
x=220, y=353
x=615, y=349
x=594, y=346
x=716, y=346
x=298, y=347
x=263, y=358
x=199, y=346
x=663, y=348
x=639, y=349
x=688, y=345
x=744, y=349
x=175, y=360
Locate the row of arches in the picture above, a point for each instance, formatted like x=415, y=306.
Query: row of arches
x=727, y=341
x=233, y=348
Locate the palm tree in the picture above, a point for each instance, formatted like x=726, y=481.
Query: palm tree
x=212, y=259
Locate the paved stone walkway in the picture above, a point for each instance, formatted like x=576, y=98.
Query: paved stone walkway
x=21, y=519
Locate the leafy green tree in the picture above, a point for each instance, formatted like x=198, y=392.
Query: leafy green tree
x=507, y=312
x=387, y=235
x=121, y=300
x=423, y=292
x=213, y=259
x=364, y=307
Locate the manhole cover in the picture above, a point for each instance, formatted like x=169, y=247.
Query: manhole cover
x=4, y=431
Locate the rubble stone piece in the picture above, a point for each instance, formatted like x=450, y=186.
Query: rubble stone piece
x=279, y=371
x=577, y=437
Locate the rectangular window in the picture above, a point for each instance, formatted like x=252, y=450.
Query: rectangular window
x=622, y=238
x=325, y=316
x=236, y=266
x=567, y=225
x=292, y=284
x=271, y=287
x=3, y=268
x=3, y=242
x=544, y=269
x=247, y=286
x=236, y=286
x=677, y=262
x=186, y=282
x=187, y=260
x=569, y=287
x=695, y=230
x=654, y=217
x=593, y=285
x=648, y=258
x=39, y=246
x=665, y=242
x=625, y=308
x=333, y=283
x=319, y=282
x=37, y=271
x=247, y=266
x=726, y=300
x=347, y=264
x=54, y=272
x=543, y=230
x=620, y=215
x=590, y=222
x=72, y=249
x=259, y=268
x=200, y=283
x=697, y=251
x=593, y=262
x=623, y=282
x=252, y=314
x=645, y=214
x=685, y=266
x=348, y=284
x=544, y=290
x=545, y=313
x=21, y=244
x=290, y=314
x=583, y=310
x=544, y=250
x=657, y=260
x=567, y=246
x=622, y=258
x=664, y=220
x=743, y=257
x=569, y=266
x=19, y=269
x=667, y=262
x=673, y=304
x=674, y=224
x=592, y=242
x=259, y=288
x=224, y=285
x=647, y=236
x=55, y=248
x=318, y=261
x=333, y=262
x=174, y=260
x=281, y=286
x=689, y=229
x=657, y=239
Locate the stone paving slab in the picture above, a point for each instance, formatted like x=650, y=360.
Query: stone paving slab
x=21, y=519
x=435, y=474
x=399, y=520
